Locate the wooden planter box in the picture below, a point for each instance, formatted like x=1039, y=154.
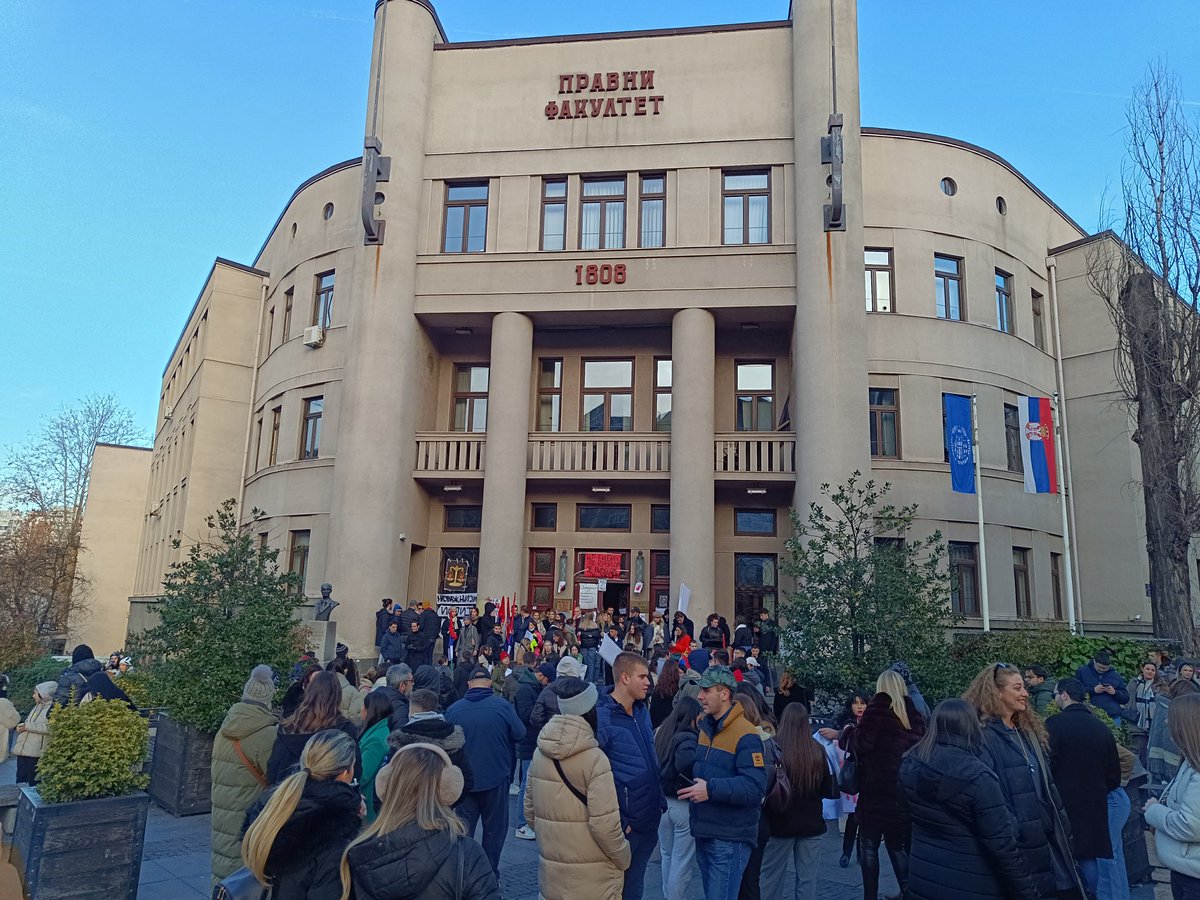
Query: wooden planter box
x=85, y=849
x=180, y=775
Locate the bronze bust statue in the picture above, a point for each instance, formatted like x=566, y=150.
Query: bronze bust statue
x=326, y=604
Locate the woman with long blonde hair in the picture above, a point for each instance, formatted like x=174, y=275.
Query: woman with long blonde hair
x=296, y=832
x=890, y=725
x=1014, y=747
x=417, y=846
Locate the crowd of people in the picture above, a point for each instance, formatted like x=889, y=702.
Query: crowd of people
x=373, y=786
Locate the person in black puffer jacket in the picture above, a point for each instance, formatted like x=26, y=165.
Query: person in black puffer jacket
x=1014, y=747
x=401, y=856
x=295, y=834
x=964, y=844
x=439, y=680
x=675, y=747
x=75, y=678
x=317, y=712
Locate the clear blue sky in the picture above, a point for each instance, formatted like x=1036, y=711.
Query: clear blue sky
x=139, y=140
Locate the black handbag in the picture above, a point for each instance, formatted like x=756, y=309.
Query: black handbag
x=848, y=777
x=241, y=885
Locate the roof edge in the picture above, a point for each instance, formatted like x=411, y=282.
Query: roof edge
x=613, y=35
x=124, y=446
x=307, y=183
x=428, y=8
x=219, y=261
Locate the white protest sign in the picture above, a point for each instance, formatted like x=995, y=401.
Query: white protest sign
x=609, y=650
x=589, y=596
x=685, y=597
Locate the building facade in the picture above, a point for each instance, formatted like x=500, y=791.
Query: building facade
x=593, y=313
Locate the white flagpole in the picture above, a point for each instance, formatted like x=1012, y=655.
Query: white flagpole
x=1062, y=499
x=983, y=579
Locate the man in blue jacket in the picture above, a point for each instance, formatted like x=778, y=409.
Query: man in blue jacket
x=730, y=781
x=492, y=730
x=624, y=734
x=1104, y=684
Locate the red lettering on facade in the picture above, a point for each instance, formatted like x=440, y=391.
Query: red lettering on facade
x=647, y=79
x=564, y=84
x=655, y=101
x=624, y=101
x=597, y=82
x=564, y=111
x=581, y=109
x=629, y=81
x=614, y=81
x=610, y=109
x=596, y=103
x=581, y=82
x=551, y=110
x=639, y=106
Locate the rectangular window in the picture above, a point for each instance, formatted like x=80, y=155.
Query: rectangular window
x=653, y=211
x=1012, y=438
x=464, y=518
x=549, y=414
x=554, y=213
x=879, y=276
x=545, y=517
x=964, y=578
x=754, y=585
x=602, y=214
x=885, y=423
x=298, y=558
x=470, y=398
x=323, y=300
x=660, y=518
x=1021, y=583
x=310, y=435
x=594, y=517
x=1039, y=324
x=1004, y=311
x=466, y=218
x=755, y=397
x=270, y=328
x=288, y=296
x=758, y=522
x=607, y=395
x=1056, y=592
x=746, y=207
x=662, y=395
x=276, y=415
x=947, y=281
x=258, y=432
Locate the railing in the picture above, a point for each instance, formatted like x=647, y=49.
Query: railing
x=763, y=453
x=450, y=453
x=600, y=454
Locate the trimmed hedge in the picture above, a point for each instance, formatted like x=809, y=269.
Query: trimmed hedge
x=22, y=681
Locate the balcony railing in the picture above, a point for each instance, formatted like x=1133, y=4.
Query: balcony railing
x=608, y=454
x=450, y=453
x=755, y=454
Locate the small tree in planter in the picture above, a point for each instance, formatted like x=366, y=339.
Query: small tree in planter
x=225, y=609
x=85, y=822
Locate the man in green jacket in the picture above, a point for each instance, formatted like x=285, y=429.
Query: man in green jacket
x=1041, y=695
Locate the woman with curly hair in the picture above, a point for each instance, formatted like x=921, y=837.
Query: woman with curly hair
x=1014, y=747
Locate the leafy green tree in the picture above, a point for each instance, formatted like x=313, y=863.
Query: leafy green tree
x=225, y=609
x=867, y=591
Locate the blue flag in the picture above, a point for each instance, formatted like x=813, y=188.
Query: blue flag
x=959, y=445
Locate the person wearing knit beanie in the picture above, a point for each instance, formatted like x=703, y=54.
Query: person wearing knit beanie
x=80, y=653
x=260, y=687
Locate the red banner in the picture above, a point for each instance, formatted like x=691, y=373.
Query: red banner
x=602, y=565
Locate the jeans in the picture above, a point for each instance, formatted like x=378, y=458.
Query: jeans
x=678, y=849
x=1089, y=874
x=1112, y=882
x=806, y=856
x=594, y=666
x=1184, y=887
x=492, y=807
x=721, y=866
x=641, y=846
x=897, y=839
x=523, y=766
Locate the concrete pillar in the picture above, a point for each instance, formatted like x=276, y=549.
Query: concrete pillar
x=375, y=499
x=502, y=539
x=829, y=347
x=693, y=362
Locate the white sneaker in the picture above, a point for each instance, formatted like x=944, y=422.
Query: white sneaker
x=514, y=789
x=525, y=833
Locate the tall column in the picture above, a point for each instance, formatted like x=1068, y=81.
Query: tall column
x=829, y=345
x=375, y=499
x=693, y=515
x=502, y=544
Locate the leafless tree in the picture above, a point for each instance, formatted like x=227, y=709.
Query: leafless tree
x=1150, y=279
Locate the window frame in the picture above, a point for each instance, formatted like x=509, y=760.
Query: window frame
x=276, y=417
x=554, y=391
x=754, y=395
x=580, y=507
x=740, y=532
x=270, y=330
x=747, y=591
x=258, y=443
x=871, y=271
x=1036, y=303
x=942, y=280
x=310, y=427
x=468, y=207
x=323, y=296
x=972, y=566
x=289, y=297
x=1056, y=584
x=447, y=527
x=660, y=391
x=548, y=200
x=470, y=397
x=644, y=197
x=608, y=393
x=657, y=507
x=1012, y=438
x=604, y=201
x=1004, y=303
x=1021, y=582
x=298, y=558
x=745, y=194
x=877, y=412
x=533, y=511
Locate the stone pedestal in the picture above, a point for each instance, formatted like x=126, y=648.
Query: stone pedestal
x=322, y=639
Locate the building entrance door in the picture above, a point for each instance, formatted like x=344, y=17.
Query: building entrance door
x=616, y=598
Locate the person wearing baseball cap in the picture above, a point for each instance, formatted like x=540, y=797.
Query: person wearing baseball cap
x=730, y=781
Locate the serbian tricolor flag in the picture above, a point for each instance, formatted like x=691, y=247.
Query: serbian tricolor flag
x=1037, y=445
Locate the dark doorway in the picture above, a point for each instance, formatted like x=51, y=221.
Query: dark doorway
x=616, y=598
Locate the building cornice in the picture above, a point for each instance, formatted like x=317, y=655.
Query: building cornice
x=428, y=7
x=219, y=261
x=612, y=35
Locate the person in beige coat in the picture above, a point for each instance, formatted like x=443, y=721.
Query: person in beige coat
x=571, y=804
x=32, y=734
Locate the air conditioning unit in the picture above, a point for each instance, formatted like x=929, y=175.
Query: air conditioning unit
x=314, y=336
x=168, y=412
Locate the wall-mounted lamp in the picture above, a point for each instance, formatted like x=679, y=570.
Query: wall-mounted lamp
x=463, y=330
x=756, y=491
x=562, y=571
x=639, y=572
x=600, y=488
x=452, y=486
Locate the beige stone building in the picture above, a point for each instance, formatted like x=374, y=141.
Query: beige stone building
x=595, y=312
